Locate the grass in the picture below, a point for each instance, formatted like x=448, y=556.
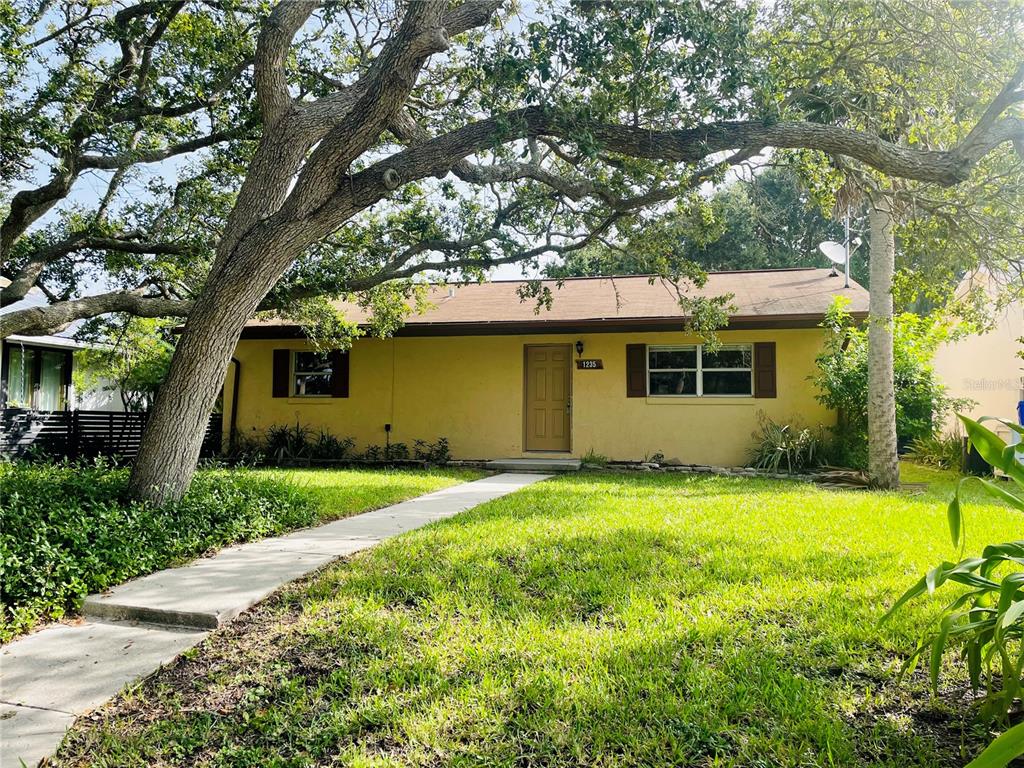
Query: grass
x=340, y=493
x=598, y=620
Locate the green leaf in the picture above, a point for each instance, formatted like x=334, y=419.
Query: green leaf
x=1001, y=493
x=993, y=448
x=1011, y=615
x=1008, y=550
x=1008, y=589
x=938, y=648
x=954, y=517
x=915, y=591
x=1019, y=429
x=1000, y=752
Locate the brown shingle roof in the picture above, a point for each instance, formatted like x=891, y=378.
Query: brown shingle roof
x=785, y=297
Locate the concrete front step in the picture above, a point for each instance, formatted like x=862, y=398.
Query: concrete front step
x=535, y=465
x=212, y=591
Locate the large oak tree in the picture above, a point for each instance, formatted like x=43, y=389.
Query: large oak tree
x=344, y=147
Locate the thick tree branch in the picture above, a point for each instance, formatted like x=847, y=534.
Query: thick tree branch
x=28, y=275
x=271, y=53
x=382, y=92
x=45, y=319
x=36, y=320
x=944, y=167
x=1007, y=96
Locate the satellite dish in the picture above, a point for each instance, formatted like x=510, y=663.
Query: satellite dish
x=834, y=252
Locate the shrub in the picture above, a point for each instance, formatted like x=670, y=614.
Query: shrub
x=396, y=452
x=69, y=529
x=921, y=400
x=297, y=442
x=985, y=623
x=327, y=446
x=436, y=453
x=289, y=442
x=784, y=447
x=939, y=451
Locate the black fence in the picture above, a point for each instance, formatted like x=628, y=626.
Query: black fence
x=84, y=434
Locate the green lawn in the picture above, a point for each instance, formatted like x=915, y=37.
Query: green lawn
x=344, y=492
x=598, y=620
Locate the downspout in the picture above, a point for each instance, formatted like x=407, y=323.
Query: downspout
x=233, y=428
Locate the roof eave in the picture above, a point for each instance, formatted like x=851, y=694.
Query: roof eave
x=593, y=325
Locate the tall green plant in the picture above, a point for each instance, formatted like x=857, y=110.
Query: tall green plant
x=842, y=380
x=986, y=623
x=784, y=447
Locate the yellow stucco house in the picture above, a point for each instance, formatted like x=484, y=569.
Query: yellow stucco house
x=608, y=368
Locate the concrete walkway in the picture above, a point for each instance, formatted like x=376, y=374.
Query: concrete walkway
x=50, y=677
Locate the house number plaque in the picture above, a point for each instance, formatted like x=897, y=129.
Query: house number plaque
x=589, y=365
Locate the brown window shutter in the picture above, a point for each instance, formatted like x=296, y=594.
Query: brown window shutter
x=764, y=369
x=636, y=370
x=339, y=373
x=282, y=372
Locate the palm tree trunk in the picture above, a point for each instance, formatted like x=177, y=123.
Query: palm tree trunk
x=883, y=462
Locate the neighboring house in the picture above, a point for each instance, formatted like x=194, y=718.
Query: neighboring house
x=985, y=367
x=36, y=371
x=607, y=369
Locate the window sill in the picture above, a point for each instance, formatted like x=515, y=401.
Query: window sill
x=311, y=400
x=747, y=400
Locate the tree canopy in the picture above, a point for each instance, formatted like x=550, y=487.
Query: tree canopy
x=768, y=222
x=132, y=131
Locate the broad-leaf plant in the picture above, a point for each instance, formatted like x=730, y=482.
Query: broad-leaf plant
x=986, y=622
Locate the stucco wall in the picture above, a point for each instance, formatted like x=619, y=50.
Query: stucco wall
x=985, y=368
x=470, y=390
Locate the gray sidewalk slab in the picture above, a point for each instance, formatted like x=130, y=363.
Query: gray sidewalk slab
x=207, y=593
x=71, y=668
x=27, y=735
x=52, y=676
x=214, y=590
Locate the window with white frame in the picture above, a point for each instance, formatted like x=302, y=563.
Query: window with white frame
x=693, y=371
x=311, y=374
x=673, y=370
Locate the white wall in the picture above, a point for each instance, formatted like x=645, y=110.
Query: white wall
x=103, y=397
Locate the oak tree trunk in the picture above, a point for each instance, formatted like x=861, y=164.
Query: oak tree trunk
x=883, y=462
x=170, y=446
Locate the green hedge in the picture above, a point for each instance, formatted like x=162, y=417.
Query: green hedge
x=67, y=530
